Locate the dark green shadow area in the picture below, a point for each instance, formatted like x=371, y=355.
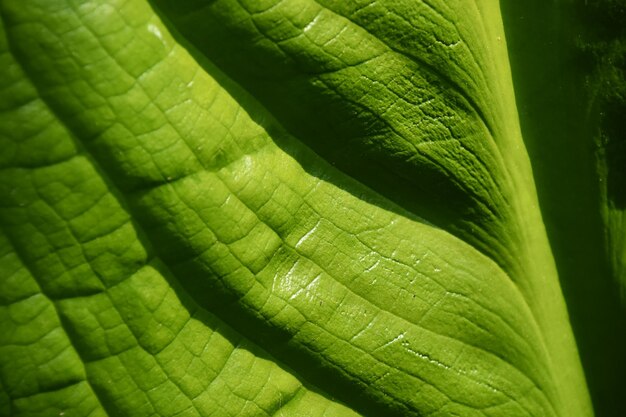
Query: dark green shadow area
x=568, y=86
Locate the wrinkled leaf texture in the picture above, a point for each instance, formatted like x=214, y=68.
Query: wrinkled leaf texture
x=281, y=208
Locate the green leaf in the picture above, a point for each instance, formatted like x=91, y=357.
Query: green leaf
x=296, y=207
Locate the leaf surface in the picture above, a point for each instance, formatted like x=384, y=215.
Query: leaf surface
x=253, y=208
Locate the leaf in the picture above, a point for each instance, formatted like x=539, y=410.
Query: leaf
x=92, y=322
x=272, y=208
